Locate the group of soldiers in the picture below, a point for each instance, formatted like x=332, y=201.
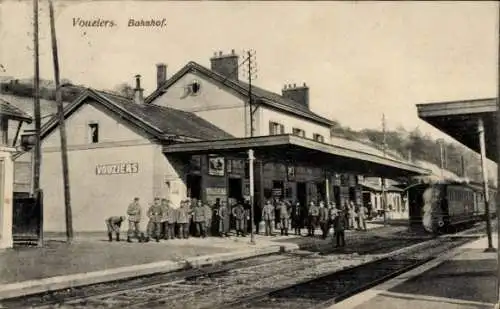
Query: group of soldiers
x=284, y=214
x=194, y=217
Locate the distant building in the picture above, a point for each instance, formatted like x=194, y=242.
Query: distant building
x=373, y=195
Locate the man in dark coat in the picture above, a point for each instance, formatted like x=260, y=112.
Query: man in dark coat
x=257, y=216
x=339, y=224
x=113, y=225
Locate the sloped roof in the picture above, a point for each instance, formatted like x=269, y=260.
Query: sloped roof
x=260, y=95
x=26, y=104
x=161, y=122
x=13, y=112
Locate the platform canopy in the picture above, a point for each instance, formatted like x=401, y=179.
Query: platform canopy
x=297, y=150
x=459, y=119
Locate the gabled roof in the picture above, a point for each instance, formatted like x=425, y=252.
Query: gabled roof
x=260, y=95
x=13, y=112
x=160, y=122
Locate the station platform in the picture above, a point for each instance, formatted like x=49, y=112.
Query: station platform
x=91, y=259
x=464, y=278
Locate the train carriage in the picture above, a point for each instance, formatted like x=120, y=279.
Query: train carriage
x=442, y=207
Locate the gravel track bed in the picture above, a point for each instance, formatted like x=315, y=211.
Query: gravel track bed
x=321, y=290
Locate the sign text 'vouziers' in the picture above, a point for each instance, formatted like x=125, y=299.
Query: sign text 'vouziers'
x=116, y=169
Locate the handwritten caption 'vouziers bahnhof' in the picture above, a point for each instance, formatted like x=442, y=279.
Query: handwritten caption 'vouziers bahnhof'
x=109, y=23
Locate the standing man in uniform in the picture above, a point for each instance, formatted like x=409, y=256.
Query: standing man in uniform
x=352, y=214
x=134, y=218
x=113, y=225
x=239, y=215
x=199, y=218
x=224, y=219
x=155, y=218
x=171, y=220
x=323, y=219
x=164, y=220
x=284, y=216
x=296, y=218
x=183, y=220
x=208, y=219
x=268, y=216
x=313, y=218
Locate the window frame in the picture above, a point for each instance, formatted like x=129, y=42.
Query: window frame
x=90, y=136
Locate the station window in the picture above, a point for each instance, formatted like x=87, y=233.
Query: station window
x=318, y=138
x=94, y=133
x=276, y=128
x=298, y=132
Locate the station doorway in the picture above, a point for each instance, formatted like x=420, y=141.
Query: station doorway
x=194, y=186
x=235, y=188
x=336, y=195
x=302, y=194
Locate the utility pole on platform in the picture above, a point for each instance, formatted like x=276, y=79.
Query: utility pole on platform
x=252, y=74
x=37, y=151
x=384, y=195
x=498, y=165
x=62, y=128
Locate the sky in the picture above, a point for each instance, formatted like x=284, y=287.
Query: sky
x=360, y=59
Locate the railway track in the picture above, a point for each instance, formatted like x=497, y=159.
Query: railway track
x=328, y=289
x=218, y=284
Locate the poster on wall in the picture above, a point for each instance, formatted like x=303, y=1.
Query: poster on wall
x=216, y=166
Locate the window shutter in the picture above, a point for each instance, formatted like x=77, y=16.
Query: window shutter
x=271, y=128
x=282, y=129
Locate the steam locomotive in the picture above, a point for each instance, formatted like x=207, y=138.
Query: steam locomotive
x=447, y=207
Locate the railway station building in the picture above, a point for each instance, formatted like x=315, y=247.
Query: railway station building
x=191, y=138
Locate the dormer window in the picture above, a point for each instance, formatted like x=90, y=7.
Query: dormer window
x=276, y=128
x=94, y=133
x=299, y=132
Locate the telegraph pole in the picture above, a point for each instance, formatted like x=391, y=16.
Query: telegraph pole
x=62, y=128
x=251, y=157
x=37, y=158
x=384, y=195
x=498, y=165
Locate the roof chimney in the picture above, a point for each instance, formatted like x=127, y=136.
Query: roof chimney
x=226, y=65
x=161, y=74
x=298, y=94
x=138, y=91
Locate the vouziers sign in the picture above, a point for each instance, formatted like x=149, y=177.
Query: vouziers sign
x=117, y=169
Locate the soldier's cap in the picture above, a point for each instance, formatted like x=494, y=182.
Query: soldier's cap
x=157, y=198
x=136, y=198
